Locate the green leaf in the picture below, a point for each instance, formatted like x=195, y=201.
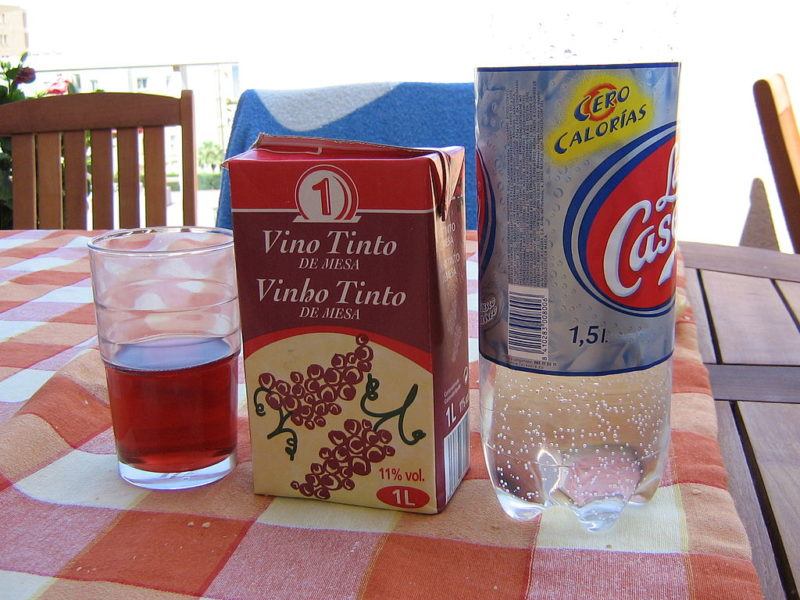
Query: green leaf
x=6, y=221
x=23, y=58
x=5, y=189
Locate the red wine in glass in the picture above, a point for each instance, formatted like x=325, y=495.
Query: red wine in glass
x=173, y=402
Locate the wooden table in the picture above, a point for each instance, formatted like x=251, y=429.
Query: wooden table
x=747, y=307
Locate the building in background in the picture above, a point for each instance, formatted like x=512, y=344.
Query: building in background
x=13, y=31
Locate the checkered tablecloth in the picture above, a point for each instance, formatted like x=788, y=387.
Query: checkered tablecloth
x=71, y=528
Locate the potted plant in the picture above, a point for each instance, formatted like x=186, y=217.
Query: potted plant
x=11, y=78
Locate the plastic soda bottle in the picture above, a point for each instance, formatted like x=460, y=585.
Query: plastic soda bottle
x=576, y=189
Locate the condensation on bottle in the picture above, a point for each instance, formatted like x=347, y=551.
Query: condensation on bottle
x=577, y=181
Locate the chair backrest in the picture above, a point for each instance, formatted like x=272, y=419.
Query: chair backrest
x=783, y=147
x=40, y=128
x=400, y=114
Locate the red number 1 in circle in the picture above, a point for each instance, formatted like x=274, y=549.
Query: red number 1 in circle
x=323, y=187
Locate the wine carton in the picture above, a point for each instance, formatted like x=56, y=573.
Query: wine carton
x=352, y=290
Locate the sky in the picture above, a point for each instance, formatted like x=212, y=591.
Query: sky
x=308, y=43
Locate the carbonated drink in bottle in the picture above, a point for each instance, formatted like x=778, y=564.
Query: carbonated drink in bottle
x=577, y=187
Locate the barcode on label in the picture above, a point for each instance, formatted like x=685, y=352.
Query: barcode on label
x=527, y=322
x=456, y=455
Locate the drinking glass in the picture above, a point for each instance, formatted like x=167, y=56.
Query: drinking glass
x=168, y=331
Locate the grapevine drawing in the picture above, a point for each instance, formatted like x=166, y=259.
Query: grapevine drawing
x=358, y=447
x=355, y=449
x=306, y=399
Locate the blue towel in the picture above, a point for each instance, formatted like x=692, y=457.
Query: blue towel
x=403, y=114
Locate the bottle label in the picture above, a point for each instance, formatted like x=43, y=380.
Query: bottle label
x=577, y=179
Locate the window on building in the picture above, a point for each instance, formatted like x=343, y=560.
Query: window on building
x=3, y=39
x=93, y=84
x=141, y=83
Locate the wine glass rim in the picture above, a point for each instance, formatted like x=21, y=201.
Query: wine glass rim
x=97, y=244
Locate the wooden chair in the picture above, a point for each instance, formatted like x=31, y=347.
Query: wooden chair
x=783, y=147
x=40, y=128
x=759, y=228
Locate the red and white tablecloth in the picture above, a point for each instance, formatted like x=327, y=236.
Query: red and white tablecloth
x=71, y=528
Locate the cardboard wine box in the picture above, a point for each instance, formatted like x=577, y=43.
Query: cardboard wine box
x=352, y=290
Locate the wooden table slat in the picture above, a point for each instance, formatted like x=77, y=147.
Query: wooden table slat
x=695, y=292
x=755, y=383
x=750, y=320
x=740, y=485
x=773, y=431
x=741, y=260
x=791, y=291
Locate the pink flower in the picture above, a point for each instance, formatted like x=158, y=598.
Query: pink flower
x=25, y=75
x=58, y=88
